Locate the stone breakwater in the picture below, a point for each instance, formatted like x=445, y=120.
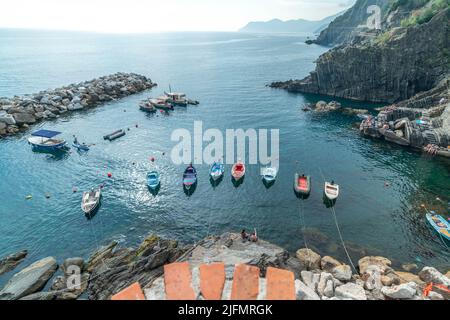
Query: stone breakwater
x=112, y=269
x=19, y=112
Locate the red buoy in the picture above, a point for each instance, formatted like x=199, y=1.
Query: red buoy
x=152, y=159
x=109, y=175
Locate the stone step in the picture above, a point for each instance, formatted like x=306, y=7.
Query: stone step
x=212, y=280
x=245, y=283
x=178, y=281
x=133, y=292
x=280, y=284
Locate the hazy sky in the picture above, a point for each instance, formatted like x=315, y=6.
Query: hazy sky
x=158, y=15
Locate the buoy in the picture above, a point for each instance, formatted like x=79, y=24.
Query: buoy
x=152, y=159
x=101, y=186
x=47, y=195
x=163, y=153
x=74, y=189
x=109, y=175
x=137, y=126
x=29, y=197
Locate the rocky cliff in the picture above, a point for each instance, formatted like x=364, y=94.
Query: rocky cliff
x=393, y=66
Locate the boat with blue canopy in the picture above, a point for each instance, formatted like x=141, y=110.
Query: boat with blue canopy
x=153, y=180
x=439, y=224
x=45, y=140
x=216, y=171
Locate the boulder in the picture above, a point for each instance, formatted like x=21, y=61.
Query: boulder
x=8, y=263
x=74, y=106
x=22, y=118
x=350, y=291
x=406, y=277
x=309, y=259
x=30, y=280
x=7, y=118
x=429, y=274
x=99, y=256
x=327, y=263
x=382, y=262
x=342, y=272
x=72, y=262
x=408, y=267
x=435, y=296
x=373, y=278
x=51, y=295
x=323, y=282
x=304, y=292
x=400, y=292
x=310, y=279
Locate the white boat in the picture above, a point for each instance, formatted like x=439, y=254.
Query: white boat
x=91, y=201
x=176, y=98
x=45, y=140
x=331, y=190
x=269, y=174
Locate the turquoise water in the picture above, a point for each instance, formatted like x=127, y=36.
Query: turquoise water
x=227, y=73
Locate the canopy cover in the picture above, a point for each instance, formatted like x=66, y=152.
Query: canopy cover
x=45, y=133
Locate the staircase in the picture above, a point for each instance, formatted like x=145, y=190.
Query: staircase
x=210, y=282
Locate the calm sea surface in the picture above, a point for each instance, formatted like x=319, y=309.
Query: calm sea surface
x=227, y=73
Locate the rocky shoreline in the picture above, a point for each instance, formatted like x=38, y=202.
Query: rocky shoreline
x=19, y=112
x=112, y=268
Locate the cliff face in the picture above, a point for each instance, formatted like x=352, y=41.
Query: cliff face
x=347, y=26
x=393, y=66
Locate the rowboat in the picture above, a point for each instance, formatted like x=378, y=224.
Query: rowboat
x=238, y=171
x=216, y=171
x=302, y=184
x=269, y=174
x=91, y=201
x=439, y=224
x=80, y=147
x=153, y=180
x=189, y=177
x=331, y=190
x=45, y=140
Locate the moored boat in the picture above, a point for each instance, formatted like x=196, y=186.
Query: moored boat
x=238, y=171
x=439, y=224
x=177, y=98
x=153, y=180
x=302, y=184
x=331, y=190
x=161, y=103
x=147, y=106
x=217, y=170
x=189, y=177
x=91, y=201
x=45, y=140
x=269, y=174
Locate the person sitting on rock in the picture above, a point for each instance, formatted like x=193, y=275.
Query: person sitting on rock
x=244, y=235
x=254, y=237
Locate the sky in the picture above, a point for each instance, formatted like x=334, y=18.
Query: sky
x=141, y=16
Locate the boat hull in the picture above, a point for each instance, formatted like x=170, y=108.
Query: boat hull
x=439, y=225
x=302, y=185
x=238, y=171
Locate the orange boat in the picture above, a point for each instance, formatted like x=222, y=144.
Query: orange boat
x=238, y=171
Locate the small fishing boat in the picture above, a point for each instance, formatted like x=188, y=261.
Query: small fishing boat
x=269, y=174
x=216, y=171
x=147, y=106
x=439, y=224
x=331, y=190
x=161, y=103
x=189, y=177
x=80, y=147
x=45, y=140
x=153, y=180
x=302, y=184
x=238, y=171
x=91, y=201
x=177, y=98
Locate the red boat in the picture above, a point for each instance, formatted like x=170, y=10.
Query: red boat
x=302, y=184
x=238, y=171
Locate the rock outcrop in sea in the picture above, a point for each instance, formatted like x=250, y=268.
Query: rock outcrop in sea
x=19, y=112
x=112, y=269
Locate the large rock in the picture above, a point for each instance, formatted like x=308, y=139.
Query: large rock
x=383, y=263
x=99, y=257
x=350, y=291
x=13, y=260
x=325, y=279
x=311, y=279
x=70, y=263
x=309, y=259
x=429, y=274
x=29, y=280
x=342, y=272
x=401, y=292
x=406, y=277
x=327, y=263
x=24, y=118
x=304, y=292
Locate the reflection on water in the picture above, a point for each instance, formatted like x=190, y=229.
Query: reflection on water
x=229, y=79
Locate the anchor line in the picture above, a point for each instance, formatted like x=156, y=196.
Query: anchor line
x=303, y=225
x=339, y=230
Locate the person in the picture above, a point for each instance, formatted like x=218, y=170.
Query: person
x=244, y=235
x=75, y=140
x=254, y=237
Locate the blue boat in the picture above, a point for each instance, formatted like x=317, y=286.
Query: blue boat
x=189, y=177
x=216, y=171
x=80, y=147
x=439, y=224
x=153, y=180
x=45, y=140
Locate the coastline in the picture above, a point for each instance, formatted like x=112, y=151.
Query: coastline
x=112, y=269
x=18, y=113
